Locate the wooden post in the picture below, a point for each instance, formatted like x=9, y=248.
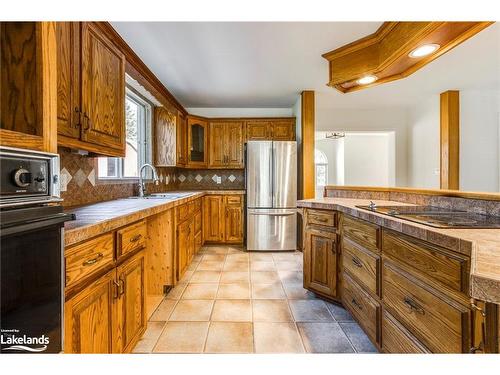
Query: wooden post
x=450, y=139
x=308, y=172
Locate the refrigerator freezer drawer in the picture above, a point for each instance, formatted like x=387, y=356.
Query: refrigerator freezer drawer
x=271, y=229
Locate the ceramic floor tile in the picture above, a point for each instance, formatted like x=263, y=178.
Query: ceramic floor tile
x=260, y=277
x=206, y=277
x=358, y=338
x=229, y=337
x=186, y=277
x=234, y=310
x=192, y=310
x=262, y=266
x=234, y=291
x=339, y=313
x=261, y=257
x=277, y=338
x=221, y=250
x=192, y=266
x=310, y=310
x=162, y=313
x=297, y=291
x=238, y=257
x=214, y=257
x=236, y=266
x=287, y=276
x=271, y=310
x=177, y=291
x=288, y=266
x=200, y=291
x=268, y=291
x=210, y=265
x=324, y=338
x=235, y=250
x=283, y=256
x=230, y=277
x=150, y=337
x=182, y=337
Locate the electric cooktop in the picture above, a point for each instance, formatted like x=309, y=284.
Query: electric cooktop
x=437, y=217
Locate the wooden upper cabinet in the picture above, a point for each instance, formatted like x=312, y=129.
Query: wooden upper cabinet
x=197, y=130
x=88, y=318
x=165, y=137
x=103, y=90
x=271, y=129
x=259, y=130
x=68, y=77
x=226, y=144
x=181, y=136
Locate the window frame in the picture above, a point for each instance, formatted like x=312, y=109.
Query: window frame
x=144, y=135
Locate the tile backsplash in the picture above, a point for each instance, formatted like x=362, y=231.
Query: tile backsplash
x=80, y=184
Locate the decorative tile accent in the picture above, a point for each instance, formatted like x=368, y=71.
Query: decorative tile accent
x=181, y=178
x=91, y=177
x=198, y=178
x=214, y=178
x=65, y=179
x=80, y=177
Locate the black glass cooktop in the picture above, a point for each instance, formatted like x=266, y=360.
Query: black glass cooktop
x=437, y=217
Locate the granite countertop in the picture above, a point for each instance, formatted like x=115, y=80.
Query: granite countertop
x=482, y=245
x=94, y=219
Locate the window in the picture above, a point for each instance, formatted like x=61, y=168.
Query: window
x=321, y=163
x=138, y=141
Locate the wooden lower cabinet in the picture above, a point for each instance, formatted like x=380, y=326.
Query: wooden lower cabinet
x=320, y=262
x=223, y=218
x=397, y=339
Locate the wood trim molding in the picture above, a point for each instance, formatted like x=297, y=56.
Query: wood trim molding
x=437, y=192
x=450, y=140
x=385, y=52
x=307, y=155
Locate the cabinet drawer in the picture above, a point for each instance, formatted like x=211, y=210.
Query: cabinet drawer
x=130, y=238
x=442, y=324
x=182, y=212
x=362, y=264
x=361, y=232
x=397, y=339
x=363, y=307
x=431, y=261
x=233, y=199
x=89, y=257
x=325, y=218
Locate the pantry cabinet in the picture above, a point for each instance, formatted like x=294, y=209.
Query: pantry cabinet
x=90, y=90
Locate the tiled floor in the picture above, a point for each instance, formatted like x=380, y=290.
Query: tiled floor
x=231, y=301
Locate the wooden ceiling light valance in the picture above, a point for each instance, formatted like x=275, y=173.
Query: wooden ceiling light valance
x=384, y=56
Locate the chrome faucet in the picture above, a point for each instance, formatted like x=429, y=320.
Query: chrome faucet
x=142, y=187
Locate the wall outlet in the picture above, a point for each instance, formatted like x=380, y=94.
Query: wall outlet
x=219, y=180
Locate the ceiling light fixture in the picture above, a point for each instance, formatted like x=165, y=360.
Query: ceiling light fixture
x=366, y=80
x=424, y=50
x=335, y=135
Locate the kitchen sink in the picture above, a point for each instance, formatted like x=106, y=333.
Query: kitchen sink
x=167, y=196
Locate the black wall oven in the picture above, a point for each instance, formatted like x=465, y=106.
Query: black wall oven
x=31, y=253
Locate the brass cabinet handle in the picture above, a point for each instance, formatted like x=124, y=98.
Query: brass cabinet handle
x=122, y=286
x=78, y=118
x=356, y=262
x=136, y=238
x=477, y=308
x=480, y=346
x=87, y=121
x=414, y=306
x=116, y=291
x=320, y=219
x=357, y=304
x=92, y=261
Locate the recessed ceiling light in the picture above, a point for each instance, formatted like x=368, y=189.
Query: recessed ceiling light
x=424, y=50
x=366, y=80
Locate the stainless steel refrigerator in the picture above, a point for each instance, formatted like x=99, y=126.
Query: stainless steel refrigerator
x=271, y=184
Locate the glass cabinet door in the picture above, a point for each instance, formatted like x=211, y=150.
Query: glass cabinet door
x=197, y=138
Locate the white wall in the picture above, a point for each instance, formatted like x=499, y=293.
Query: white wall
x=423, y=144
x=241, y=112
x=369, y=120
x=479, y=140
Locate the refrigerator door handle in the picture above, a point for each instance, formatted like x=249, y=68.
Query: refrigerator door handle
x=271, y=175
x=271, y=214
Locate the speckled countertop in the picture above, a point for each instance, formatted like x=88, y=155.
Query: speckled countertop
x=94, y=219
x=483, y=245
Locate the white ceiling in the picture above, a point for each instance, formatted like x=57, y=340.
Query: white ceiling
x=267, y=64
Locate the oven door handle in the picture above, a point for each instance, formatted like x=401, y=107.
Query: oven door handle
x=32, y=224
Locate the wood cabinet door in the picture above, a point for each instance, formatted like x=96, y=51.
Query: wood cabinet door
x=283, y=130
x=68, y=79
x=183, y=245
x=88, y=318
x=233, y=223
x=320, y=262
x=197, y=136
x=258, y=130
x=165, y=137
x=181, y=136
x=217, y=153
x=103, y=91
x=234, y=145
x=130, y=307
x=213, y=218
